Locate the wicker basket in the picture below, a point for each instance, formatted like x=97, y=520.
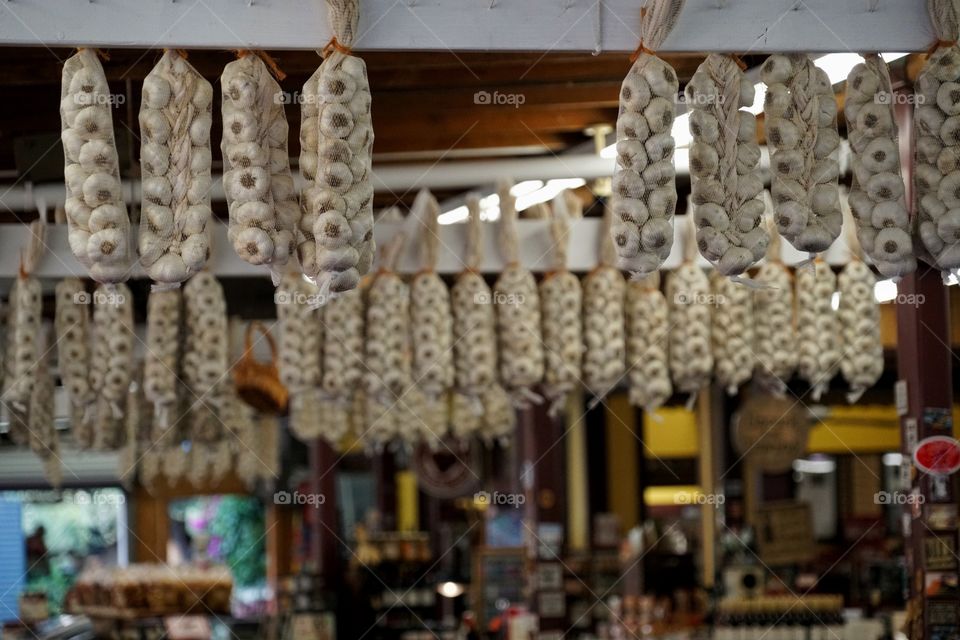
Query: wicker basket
x=258, y=383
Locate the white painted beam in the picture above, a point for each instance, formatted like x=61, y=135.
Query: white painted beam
x=470, y=25
x=535, y=242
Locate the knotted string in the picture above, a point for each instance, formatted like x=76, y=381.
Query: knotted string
x=657, y=20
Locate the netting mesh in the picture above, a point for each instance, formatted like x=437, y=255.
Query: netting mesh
x=644, y=184
x=254, y=132
x=336, y=140
x=936, y=175
x=175, y=161
x=99, y=228
x=877, y=198
x=725, y=167
x=801, y=113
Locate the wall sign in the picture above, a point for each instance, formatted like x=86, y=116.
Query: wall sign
x=937, y=455
x=771, y=432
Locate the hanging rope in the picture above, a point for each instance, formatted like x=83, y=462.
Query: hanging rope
x=657, y=20
x=344, y=16
x=425, y=212
x=473, y=255
x=507, y=229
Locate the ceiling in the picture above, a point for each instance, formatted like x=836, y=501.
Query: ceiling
x=423, y=103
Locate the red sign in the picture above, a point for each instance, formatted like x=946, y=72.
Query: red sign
x=939, y=455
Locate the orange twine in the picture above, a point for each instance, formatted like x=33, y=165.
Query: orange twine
x=103, y=55
x=272, y=65
x=940, y=43
x=641, y=48
x=334, y=45
x=739, y=61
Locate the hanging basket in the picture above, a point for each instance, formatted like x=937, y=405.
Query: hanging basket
x=258, y=383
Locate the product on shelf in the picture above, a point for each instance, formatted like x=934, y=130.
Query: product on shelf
x=142, y=590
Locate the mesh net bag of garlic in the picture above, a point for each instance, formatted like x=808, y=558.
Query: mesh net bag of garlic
x=99, y=228
x=725, y=167
x=644, y=183
x=175, y=161
x=336, y=140
x=261, y=197
x=936, y=175
x=877, y=194
x=474, y=337
x=801, y=125
x=560, y=309
x=517, y=307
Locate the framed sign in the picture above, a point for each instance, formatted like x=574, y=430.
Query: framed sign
x=499, y=580
x=771, y=432
x=785, y=533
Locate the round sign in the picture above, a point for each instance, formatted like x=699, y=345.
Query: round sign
x=938, y=455
x=770, y=431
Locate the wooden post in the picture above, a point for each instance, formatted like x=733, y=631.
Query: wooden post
x=323, y=519
x=925, y=361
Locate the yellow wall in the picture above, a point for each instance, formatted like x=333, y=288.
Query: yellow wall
x=672, y=431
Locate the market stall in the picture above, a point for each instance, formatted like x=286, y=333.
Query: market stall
x=479, y=319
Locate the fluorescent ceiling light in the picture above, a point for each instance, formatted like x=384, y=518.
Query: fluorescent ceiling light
x=803, y=465
x=549, y=191
x=489, y=210
x=885, y=290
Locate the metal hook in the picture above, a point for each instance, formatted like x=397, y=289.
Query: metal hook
x=872, y=5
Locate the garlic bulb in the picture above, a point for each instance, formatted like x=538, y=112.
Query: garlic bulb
x=44, y=439
x=301, y=337
x=205, y=355
x=732, y=332
x=801, y=126
x=466, y=415
x=175, y=162
x=99, y=229
x=604, y=333
x=111, y=370
x=859, y=319
x=431, y=317
x=72, y=324
x=561, y=300
x=644, y=195
x=691, y=359
x=336, y=139
x=343, y=345
x=775, y=331
x=259, y=228
x=300, y=334
x=517, y=307
x=818, y=345
x=499, y=417
x=474, y=322
x=937, y=161
x=876, y=195
x=162, y=357
x=24, y=322
x=647, y=343
x=725, y=167
x=387, y=348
